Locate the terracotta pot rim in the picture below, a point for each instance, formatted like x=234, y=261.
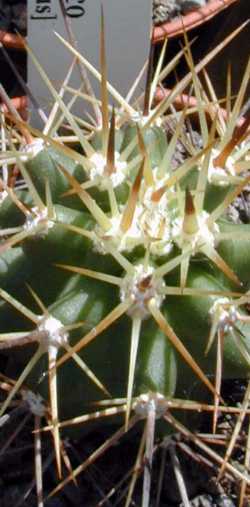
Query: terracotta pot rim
x=19, y=103
x=181, y=101
x=184, y=100
x=11, y=41
x=189, y=21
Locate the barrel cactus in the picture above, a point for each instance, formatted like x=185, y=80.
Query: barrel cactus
x=121, y=263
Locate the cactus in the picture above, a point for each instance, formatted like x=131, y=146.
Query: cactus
x=126, y=272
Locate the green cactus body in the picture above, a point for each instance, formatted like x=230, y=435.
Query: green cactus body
x=154, y=138
x=108, y=249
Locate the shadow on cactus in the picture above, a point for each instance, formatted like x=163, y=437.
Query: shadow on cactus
x=139, y=276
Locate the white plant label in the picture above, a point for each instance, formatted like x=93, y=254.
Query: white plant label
x=127, y=34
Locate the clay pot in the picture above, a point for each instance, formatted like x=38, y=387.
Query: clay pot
x=20, y=104
x=189, y=21
x=183, y=100
x=10, y=40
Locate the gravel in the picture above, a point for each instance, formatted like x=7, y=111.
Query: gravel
x=166, y=10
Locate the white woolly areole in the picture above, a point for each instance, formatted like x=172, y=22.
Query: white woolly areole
x=155, y=223
x=151, y=402
x=3, y=196
x=204, y=236
x=220, y=175
x=34, y=148
x=225, y=316
x=37, y=222
x=98, y=171
x=150, y=226
x=55, y=334
x=122, y=241
x=35, y=403
x=142, y=287
x=137, y=117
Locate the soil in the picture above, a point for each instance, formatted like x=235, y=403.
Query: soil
x=109, y=472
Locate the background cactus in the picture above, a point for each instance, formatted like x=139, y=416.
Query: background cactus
x=125, y=271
